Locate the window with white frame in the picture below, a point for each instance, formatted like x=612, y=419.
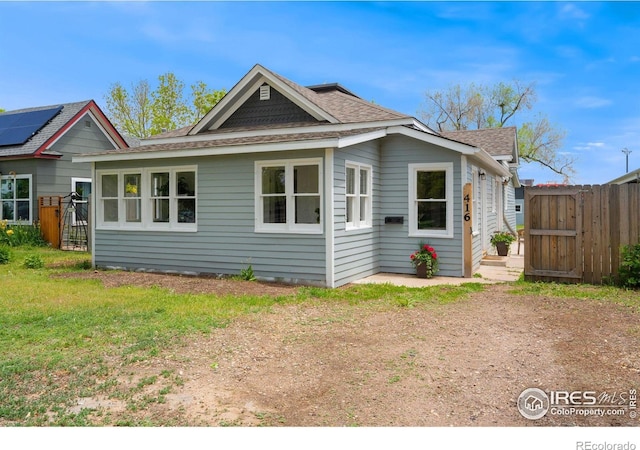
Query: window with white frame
x=15, y=195
x=82, y=188
x=358, y=196
x=431, y=200
x=289, y=196
x=158, y=198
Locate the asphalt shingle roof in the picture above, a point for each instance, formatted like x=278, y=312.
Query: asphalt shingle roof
x=495, y=141
x=69, y=110
x=344, y=107
x=238, y=141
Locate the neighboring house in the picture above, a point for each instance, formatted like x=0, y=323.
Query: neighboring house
x=520, y=201
x=307, y=185
x=36, y=147
x=629, y=177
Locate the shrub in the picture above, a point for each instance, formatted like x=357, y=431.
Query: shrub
x=5, y=255
x=34, y=262
x=629, y=271
x=247, y=274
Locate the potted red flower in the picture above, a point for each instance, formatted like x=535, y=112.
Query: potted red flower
x=425, y=261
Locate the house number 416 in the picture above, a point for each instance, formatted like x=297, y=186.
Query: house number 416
x=467, y=212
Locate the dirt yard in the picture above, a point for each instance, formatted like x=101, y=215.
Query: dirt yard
x=331, y=364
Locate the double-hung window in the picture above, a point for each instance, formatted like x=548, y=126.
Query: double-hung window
x=358, y=196
x=154, y=199
x=288, y=196
x=431, y=200
x=15, y=195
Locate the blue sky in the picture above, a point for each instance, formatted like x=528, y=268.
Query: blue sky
x=583, y=56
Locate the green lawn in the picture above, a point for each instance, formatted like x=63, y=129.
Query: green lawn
x=61, y=338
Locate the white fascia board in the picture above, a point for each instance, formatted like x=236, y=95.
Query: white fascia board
x=416, y=123
x=281, y=131
x=212, y=151
x=360, y=138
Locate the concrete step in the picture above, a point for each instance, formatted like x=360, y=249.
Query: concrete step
x=494, y=260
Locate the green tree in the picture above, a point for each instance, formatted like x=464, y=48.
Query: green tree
x=477, y=106
x=143, y=112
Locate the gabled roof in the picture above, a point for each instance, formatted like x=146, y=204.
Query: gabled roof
x=39, y=144
x=329, y=103
x=501, y=143
x=324, y=116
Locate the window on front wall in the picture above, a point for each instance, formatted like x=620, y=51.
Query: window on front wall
x=15, y=194
x=288, y=196
x=358, y=196
x=431, y=200
x=163, y=199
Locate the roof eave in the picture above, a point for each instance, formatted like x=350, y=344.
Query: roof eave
x=210, y=151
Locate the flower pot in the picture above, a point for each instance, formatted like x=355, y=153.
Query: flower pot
x=502, y=248
x=422, y=272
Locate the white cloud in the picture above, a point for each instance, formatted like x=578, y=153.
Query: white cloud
x=591, y=102
x=589, y=146
x=572, y=12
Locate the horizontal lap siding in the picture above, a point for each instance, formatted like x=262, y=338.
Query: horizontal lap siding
x=395, y=244
x=356, y=251
x=225, y=242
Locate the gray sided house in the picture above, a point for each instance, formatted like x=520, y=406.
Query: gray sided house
x=307, y=185
x=36, y=147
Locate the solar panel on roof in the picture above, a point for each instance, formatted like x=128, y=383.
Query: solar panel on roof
x=17, y=128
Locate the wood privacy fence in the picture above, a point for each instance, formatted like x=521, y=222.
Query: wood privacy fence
x=574, y=234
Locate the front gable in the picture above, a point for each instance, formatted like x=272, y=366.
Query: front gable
x=267, y=106
x=296, y=102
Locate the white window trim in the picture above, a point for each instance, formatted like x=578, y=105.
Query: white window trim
x=290, y=226
x=413, y=204
x=476, y=202
x=74, y=182
x=368, y=221
x=146, y=211
x=14, y=178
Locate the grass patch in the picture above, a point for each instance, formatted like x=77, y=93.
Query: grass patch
x=622, y=296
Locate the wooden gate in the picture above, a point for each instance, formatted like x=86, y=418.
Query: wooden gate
x=553, y=248
x=576, y=233
x=50, y=215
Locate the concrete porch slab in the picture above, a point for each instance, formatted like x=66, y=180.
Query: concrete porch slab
x=510, y=271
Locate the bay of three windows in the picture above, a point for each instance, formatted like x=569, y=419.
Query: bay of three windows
x=150, y=198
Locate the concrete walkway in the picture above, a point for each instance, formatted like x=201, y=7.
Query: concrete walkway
x=485, y=274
